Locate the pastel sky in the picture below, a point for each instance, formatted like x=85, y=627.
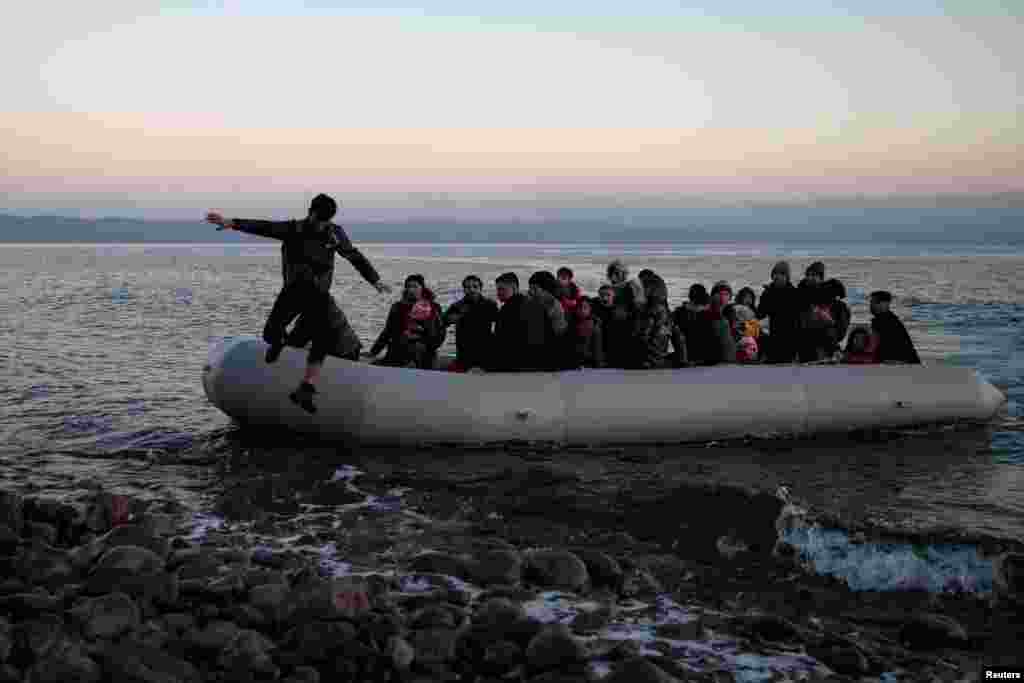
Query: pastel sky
x=177, y=105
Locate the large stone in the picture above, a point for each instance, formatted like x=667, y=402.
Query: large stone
x=434, y=616
x=202, y=565
x=603, y=570
x=12, y=510
x=401, y=653
x=441, y=563
x=557, y=569
x=497, y=567
x=316, y=640
x=344, y=596
x=107, y=616
x=216, y=636
x=591, y=621
x=39, y=636
x=273, y=600
x=44, y=564
x=249, y=651
x=137, y=536
x=434, y=646
x=66, y=662
x=501, y=657
x=638, y=670
x=134, y=663
x=555, y=648
x=131, y=558
x=932, y=631
x=158, y=587
x=260, y=576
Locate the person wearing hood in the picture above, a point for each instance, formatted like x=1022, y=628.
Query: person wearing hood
x=860, y=347
x=473, y=317
x=413, y=332
x=569, y=293
x=308, y=249
x=780, y=303
x=629, y=297
x=652, y=330
x=692, y=337
x=894, y=344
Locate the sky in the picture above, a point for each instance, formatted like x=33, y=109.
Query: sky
x=175, y=107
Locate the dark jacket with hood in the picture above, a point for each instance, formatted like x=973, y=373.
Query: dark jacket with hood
x=474, y=321
x=521, y=336
x=782, y=306
x=652, y=325
x=894, y=343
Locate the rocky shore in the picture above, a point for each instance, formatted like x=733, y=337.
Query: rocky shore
x=107, y=588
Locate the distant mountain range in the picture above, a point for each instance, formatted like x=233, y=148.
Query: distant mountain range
x=1002, y=223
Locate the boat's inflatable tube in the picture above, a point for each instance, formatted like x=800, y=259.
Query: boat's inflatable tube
x=384, y=405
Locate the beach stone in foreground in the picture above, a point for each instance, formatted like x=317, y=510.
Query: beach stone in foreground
x=556, y=568
x=555, y=648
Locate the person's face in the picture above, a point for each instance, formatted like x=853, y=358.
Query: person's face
x=779, y=279
x=877, y=307
x=584, y=309
x=505, y=291
x=859, y=342
x=472, y=289
x=413, y=290
x=607, y=297
x=535, y=290
x=617, y=277
x=564, y=280
x=813, y=278
x=724, y=297
x=746, y=299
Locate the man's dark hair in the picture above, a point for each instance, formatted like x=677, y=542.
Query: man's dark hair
x=565, y=271
x=507, y=279
x=881, y=296
x=416, y=277
x=323, y=207
x=818, y=268
x=472, y=278
x=699, y=294
x=545, y=280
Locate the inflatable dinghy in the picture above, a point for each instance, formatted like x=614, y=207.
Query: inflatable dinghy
x=383, y=405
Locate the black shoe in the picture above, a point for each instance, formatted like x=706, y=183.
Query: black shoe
x=274, y=352
x=303, y=397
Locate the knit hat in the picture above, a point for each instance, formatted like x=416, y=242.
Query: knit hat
x=782, y=267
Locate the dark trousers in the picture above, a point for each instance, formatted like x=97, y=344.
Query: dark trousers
x=291, y=302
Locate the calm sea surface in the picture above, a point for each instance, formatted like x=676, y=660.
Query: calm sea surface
x=101, y=348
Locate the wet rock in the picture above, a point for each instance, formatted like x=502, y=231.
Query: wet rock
x=639, y=582
x=274, y=560
x=159, y=587
x=690, y=630
x=591, y=621
x=316, y=640
x=434, y=646
x=317, y=598
x=932, y=631
x=225, y=590
x=441, y=563
x=158, y=524
x=249, y=651
x=201, y=565
x=131, y=558
x=259, y=576
x=134, y=535
x=9, y=540
x=554, y=648
x=108, y=616
x=41, y=531
x=133, y=663
x=612, y=650
x=401, y=653
x=497, y=566
x=556, y=568
x=216, y=636
x=434, y=616
x=6, y=639
x=846, y=660
x=638, y=670
x=65, y=662
x=12, y=508
x=501, y=657
x=24, y=605
x=273, y=600
x=44, y=564
x=1008, y=578
x=602, y=569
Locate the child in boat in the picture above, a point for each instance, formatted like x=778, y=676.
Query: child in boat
x=860, y=347
x=586, y=337
x=473, y=317
x=569, y=294
x=745, y=331
x=894, y=343
x=413, y=332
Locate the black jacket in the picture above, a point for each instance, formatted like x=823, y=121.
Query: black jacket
x=894, y=343
x=782, y=306
x=392, y=335
x=521, y=336
x=308, y=249
x=473, y=329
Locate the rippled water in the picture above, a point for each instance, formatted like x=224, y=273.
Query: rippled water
x=102, y=345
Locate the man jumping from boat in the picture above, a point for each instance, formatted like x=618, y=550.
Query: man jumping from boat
x=308, y=247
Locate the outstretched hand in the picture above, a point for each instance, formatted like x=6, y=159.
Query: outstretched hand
x=219, y=220
x=382, y=287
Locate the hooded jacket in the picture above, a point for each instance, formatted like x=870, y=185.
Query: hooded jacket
x=894, y=343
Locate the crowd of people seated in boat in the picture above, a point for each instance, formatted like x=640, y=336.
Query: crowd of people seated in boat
x=552, y=325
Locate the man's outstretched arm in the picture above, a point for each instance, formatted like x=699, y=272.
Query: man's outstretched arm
x=277, y=230
x=348, y=251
